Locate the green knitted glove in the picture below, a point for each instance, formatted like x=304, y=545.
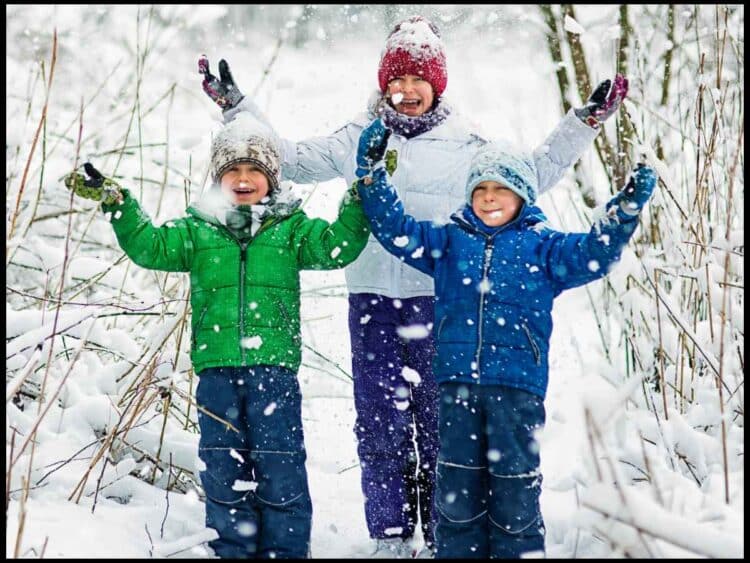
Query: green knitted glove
x=95, y=186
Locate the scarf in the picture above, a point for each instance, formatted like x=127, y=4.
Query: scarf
x=245, y=220
x=410, y=126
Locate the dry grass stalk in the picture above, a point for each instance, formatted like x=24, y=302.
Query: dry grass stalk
x=42, y=120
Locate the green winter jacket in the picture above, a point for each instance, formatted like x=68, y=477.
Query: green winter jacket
x=245, y=296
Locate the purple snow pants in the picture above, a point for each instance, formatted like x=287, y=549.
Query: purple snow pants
x=397, y=412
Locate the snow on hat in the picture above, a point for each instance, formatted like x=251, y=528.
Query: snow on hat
x=245, y=139
x=514, y=169
x=414, y=47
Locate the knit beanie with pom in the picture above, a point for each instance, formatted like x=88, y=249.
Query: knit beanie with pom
x=414, y=47
x=246, y=140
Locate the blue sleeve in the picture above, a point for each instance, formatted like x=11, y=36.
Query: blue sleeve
x=574, y=259
x=418, y=243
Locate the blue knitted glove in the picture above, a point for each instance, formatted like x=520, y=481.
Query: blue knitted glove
x=638, y=190
x=222, y=91
x=371, y=149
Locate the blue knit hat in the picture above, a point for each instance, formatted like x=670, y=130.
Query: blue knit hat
x=514, y=169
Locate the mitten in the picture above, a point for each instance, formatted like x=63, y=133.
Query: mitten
x=638, y=190
x=221, y=90
x=371, y=148
x=95, y=186
x=604, y=101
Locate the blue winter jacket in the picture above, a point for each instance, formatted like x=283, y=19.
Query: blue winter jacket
x=494, y=287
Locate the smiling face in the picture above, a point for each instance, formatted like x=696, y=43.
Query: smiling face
x=411, y=95
x=244, y=184
x=495, y=204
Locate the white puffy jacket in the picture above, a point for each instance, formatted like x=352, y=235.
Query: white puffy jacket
x=430, y=178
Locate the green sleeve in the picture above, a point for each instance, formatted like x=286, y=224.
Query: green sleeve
x=327, y=246
x=168, y=248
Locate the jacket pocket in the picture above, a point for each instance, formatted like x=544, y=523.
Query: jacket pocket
x=194, y=335
x=296, y=336
x=534, y=345
x=440, y=327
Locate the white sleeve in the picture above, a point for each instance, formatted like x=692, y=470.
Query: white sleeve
x=316, y=159
x=562, y=149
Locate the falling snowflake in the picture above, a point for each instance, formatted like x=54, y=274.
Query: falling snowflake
x=413, y=332
x=411, y=375
x=240, y=485
x=251, y=342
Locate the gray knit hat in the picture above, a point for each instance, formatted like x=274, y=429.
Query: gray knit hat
x=246, y=140
x=514, y=169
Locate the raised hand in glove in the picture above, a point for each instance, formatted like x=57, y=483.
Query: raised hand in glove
x=95, y=186
x=371, y=148
x=638, y=190
x=221, y=90
x=604, y=101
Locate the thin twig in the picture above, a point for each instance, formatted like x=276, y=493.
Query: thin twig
x=42, y=119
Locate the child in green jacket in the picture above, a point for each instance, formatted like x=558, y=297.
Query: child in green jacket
x=244, y=245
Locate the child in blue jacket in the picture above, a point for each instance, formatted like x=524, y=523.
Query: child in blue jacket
x=497, y=268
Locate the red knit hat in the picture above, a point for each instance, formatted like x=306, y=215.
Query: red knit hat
x=414, y=47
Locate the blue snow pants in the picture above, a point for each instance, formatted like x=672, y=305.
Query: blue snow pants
x=396, y=426
x=257, y=497
x=488, y=479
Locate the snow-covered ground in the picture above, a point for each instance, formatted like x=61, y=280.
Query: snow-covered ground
x=508, y=87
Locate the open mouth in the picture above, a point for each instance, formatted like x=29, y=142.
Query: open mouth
x=243, y=189
x=412, y=104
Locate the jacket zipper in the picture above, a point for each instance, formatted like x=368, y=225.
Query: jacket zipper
x=534, y=346
x=400, y=264
x=486, y=266
x=440, y=327
x=243, y=244
x=487, y=258
x=243, y=262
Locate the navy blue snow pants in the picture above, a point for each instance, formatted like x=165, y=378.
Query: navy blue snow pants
x=257, y=497
x=396, y=424
x=488, y=478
